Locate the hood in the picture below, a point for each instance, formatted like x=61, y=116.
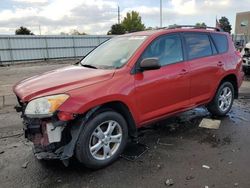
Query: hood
x=60, y=81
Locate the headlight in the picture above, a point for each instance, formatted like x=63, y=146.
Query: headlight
x=45, y=106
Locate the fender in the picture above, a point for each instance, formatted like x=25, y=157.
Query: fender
x=77, y=106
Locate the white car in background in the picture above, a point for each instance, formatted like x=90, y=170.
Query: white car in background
x=246, y=58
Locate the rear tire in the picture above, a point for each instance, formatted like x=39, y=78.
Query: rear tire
x=103, y=140
x=223, y=100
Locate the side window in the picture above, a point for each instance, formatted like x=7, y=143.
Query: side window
x=213, y=48
x=198, y=45
x=220, y=42
x=168, y=49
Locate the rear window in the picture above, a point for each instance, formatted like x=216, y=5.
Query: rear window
x=198, y=45
x=220, y=42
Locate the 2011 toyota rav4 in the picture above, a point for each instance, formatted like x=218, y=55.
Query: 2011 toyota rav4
x=91, y=109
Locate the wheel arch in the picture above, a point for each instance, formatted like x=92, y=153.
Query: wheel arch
x=122, y=109
x=232, y=79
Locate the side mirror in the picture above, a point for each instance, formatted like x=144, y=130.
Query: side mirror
x=150, y=64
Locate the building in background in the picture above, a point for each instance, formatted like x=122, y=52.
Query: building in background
x=242, y=25
x=242, y=29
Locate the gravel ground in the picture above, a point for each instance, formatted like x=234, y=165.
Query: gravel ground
x=178, y=149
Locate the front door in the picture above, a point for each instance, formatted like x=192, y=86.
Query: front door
x=167, y=89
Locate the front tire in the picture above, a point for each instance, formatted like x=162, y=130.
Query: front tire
x=103, y=140
x=223, y=100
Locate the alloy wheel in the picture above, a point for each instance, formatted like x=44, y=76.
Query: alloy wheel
x=225, y=99
x=105, y=140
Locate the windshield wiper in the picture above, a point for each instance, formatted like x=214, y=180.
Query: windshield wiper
x=89, y=66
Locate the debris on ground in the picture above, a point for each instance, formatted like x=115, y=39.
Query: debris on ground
x=1, y=152
x=169, y=182
x=59, y=180
x=227, y=140
x=210, y=123
x=205, y=166
x=159, y=166
x=25, y=164
x=212, y=139
x=134, y=150
x=236, y=184
x=189, y=177
x=163, y=144
x=242, y=118
x=172, y=127
x=206, y=186
x=9, y=134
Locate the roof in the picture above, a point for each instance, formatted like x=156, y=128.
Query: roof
x=175, y=29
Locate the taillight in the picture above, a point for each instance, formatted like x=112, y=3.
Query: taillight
x=238, y=53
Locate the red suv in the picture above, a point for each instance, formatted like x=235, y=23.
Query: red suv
x=91, y=109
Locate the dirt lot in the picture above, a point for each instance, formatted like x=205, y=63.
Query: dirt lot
x=178, y=149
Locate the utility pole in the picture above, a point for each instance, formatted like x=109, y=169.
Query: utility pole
x=160, y=13
x=40, y=30
x=119, y=21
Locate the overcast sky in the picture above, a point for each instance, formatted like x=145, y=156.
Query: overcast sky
x=96, y=16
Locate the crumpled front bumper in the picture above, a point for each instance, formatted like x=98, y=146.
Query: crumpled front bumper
x=52, y=138
x=48, y=136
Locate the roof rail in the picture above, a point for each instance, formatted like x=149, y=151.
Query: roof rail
x=195, y=27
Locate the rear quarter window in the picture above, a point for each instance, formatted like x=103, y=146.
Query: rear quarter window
x=221, y=42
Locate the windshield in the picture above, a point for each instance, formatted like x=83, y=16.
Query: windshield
x=114, y=53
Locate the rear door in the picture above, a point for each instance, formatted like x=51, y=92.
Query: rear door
x=221, y=43
x=165, y=90
x=206, y=66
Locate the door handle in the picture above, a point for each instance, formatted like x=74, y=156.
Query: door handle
x=183, y=72
x=220, y=64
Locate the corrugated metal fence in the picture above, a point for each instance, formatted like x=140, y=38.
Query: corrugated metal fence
x=31, y=47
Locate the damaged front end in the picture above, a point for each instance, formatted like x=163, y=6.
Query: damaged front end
x=54, y=136
x=49, y=136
